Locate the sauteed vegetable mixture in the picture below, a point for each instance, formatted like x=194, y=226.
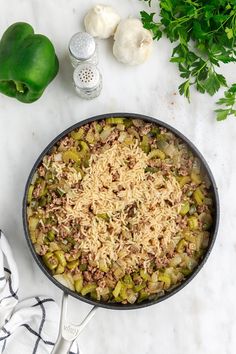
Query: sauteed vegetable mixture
x=120, y=210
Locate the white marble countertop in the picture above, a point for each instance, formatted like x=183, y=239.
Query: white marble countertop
x=200, y=318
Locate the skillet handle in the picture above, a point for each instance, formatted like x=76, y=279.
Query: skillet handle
x=62, y=346
x=68, y=332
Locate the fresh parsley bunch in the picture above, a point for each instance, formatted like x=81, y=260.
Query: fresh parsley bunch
x=205, y=33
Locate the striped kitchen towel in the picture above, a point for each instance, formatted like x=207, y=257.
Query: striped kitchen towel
x=29, y=326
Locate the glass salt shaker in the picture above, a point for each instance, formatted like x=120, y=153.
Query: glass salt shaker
x=83, y=48
x=87, y=80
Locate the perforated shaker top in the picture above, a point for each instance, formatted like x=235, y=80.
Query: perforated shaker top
x=82, y=46
x=86, y=76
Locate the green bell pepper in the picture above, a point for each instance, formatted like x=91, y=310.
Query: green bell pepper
x=28, y=63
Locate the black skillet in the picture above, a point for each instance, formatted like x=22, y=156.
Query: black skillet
x=68, y=331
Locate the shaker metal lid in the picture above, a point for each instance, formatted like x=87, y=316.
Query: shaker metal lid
x=82, y=46
x=86, y=76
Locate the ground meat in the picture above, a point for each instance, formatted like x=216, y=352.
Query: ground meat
x=41, y=171
x=183, y=171
x=115, y=176
x=57, y=201
x=150, y=178
x=98, y=275
x=165, y=167
x=120, y=188
x=86, y=127
x=84, y=258
x=134, y=249
x=43, y=250
x=154, y=163
x=88, y=276
x=37, y=191
x=161, y=262
x=145, y=129
x=131, y=209
x=102, y=123
x=190, y=252
x=138, y=280
x=66, y=143
x=182, y=221
x=190, y=163
x=202, y=208
x=131, y=162
x=63, y=233
x=112, y=137
x=102, y=283
x=96, y=147
x=187, y=188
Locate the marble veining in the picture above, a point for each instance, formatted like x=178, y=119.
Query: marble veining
x=200, y=318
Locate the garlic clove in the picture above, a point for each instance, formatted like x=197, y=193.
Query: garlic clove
x=101, y=21
x=133, y=44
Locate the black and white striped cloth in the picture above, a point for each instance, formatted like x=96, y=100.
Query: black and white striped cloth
x=29, y=326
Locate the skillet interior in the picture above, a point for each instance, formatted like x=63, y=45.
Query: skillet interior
x=117, y=306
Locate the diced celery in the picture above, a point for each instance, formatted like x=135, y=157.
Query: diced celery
x=61, y=257
x=78, y=135
x=183, y=180
x=181, y=246
x=154, y=132
x=97, y=127
x=103, y=266
x=128, y=122
x=192, y=209
x=139, y=287
x=184, y=209
x=145, y=146
x=186, y=271
x=118, y=273
x=189, y=236
x=193, y=223
x=30, y=193
x=157, y=153
x=90, y=137
x=144, y=274
x=131, y=296
x=33, y=223
x=51, y=235
x=120, y=127
x=128, y=279
x=117, y=289
x=116, y=120
x=60, y=269
x=79, y=285
x=198, y=196
x=84, y=148
x=50, y=261
x=143, y=295
x=88, y=289
x=105, y=133
x=165, y=278
x=123, y=291
x=73, y=264
x=196, y=178
x=71, y=155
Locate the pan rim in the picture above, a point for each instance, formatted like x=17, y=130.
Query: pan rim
x=117, y=306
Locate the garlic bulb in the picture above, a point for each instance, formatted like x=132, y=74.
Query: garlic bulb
x=101, y=21
x=133, y=43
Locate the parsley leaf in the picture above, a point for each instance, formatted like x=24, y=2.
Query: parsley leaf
x=229, y=101
x=204, y=33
